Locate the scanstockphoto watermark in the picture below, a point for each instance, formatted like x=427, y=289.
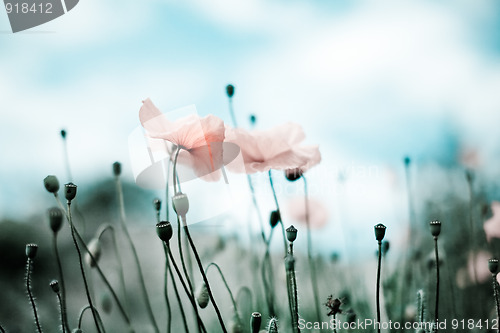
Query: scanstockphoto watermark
x=26, y=14
x=368, y=325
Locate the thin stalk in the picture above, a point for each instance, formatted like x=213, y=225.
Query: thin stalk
x=379, y=266
x=66, y=158
x=184, y=268
x=64, y=314
x=471, y=223
x=293, y=285
x=186, y=290
x=82, y=312
x=2, y=329
x=200, y=267
x=437, y=282
x=312, y=266
x=87, y=291
x=227, y=288
x=165, y=292
x=268, y=279
x=181, y=308
x=497, y=301
x=335, y=321
x=142, y=284
x=30, y=294
x=231, y=111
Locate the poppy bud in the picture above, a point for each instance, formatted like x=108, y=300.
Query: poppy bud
x=55, y=219
x=106, y=303
x=157, y=204
x=275, y=218
x=70, y=191
x=253, y=119
x=63, y=133
x=291, y=233
x=380, y=232
x=95, y=249
x=493, y=265
x=230, y=90
x=164, y=231
x=435, y=228
x=54, y=284
x=181, y=204
x=293, y=174
x=273, y=326
x=202, y=296
x=255, y=322
x=117, y=168
x=407, y=160
x=31, y=250
x=51, y=184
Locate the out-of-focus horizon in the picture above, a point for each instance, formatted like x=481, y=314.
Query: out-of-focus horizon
x=369, y=82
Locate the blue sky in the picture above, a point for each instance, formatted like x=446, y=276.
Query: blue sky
x=369, y=81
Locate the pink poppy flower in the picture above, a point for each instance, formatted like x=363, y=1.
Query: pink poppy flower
x=492, y=225
x=200, y=139
x=318, y=213
x=278, y=148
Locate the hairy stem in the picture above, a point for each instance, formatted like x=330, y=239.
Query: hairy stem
x=379, y=266
x=30, y=294
x=64, y=315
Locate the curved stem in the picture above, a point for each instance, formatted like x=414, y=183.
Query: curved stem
x=227, y=287
x=312, y=265
x=64, y=315
x=187, y=291
x=379, y=266
x=82, y=312
x=248, y=292
x=32, y=300
x=174, y=174
x=2, y=329
x=200, y=266
x=142, y=284
x=87, y=291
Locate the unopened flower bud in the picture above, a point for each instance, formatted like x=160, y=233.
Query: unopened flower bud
x=493, y=265
x=117, y=168
x=255, y=322
x=291, y=233
x=407, y=160
x=70, y=191
x=275, y=218
x=31, y=250
x=54, y=284
x=230, y=90
x=63, y=133
x=380, y=232
x=202, y=296
x=94, y=249
x=181, y=204
x=273, y=326
x=293, y=174
x=106, y=302
x=253, y=119
x=55, y=219
x=51, y=184
x=435, y=228
x=164, y=231
x=157, y=204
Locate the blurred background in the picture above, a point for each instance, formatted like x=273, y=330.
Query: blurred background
x=370, y=82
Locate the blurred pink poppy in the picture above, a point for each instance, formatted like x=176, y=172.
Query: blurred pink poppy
x=278, y=148
x=200, y=139
x=492, y=225
x=479, y=261
x=318, y=213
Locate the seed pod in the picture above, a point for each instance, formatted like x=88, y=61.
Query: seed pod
x=230, y=90
x=55, y=219
x=51, y=183
x=117, y=168
x=164, y=231
x=493, y=265
x=157, y=204
x=293, y=174
x=202, y=296
x=63, y=133
x=380, y=232
x=273, y=326
x=435, y=228
x=54, y=284
x=31, y=250
x=291, y=234
x=181, y=204
x=255, y=322
x=70, y=191
x=95, y=249
x=275, y=218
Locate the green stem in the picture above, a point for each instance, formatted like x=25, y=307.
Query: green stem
x=312, y=266
x=165, y=291
x=142, y=284
x=437, y=282
x=176, y=291
x=227, y=288
x=497, y=301
x=295, y=299
x=64, y=315
x=62, y=312
x=87, y=291
x=32, y=300
x=82, y=312
x=200, y=267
